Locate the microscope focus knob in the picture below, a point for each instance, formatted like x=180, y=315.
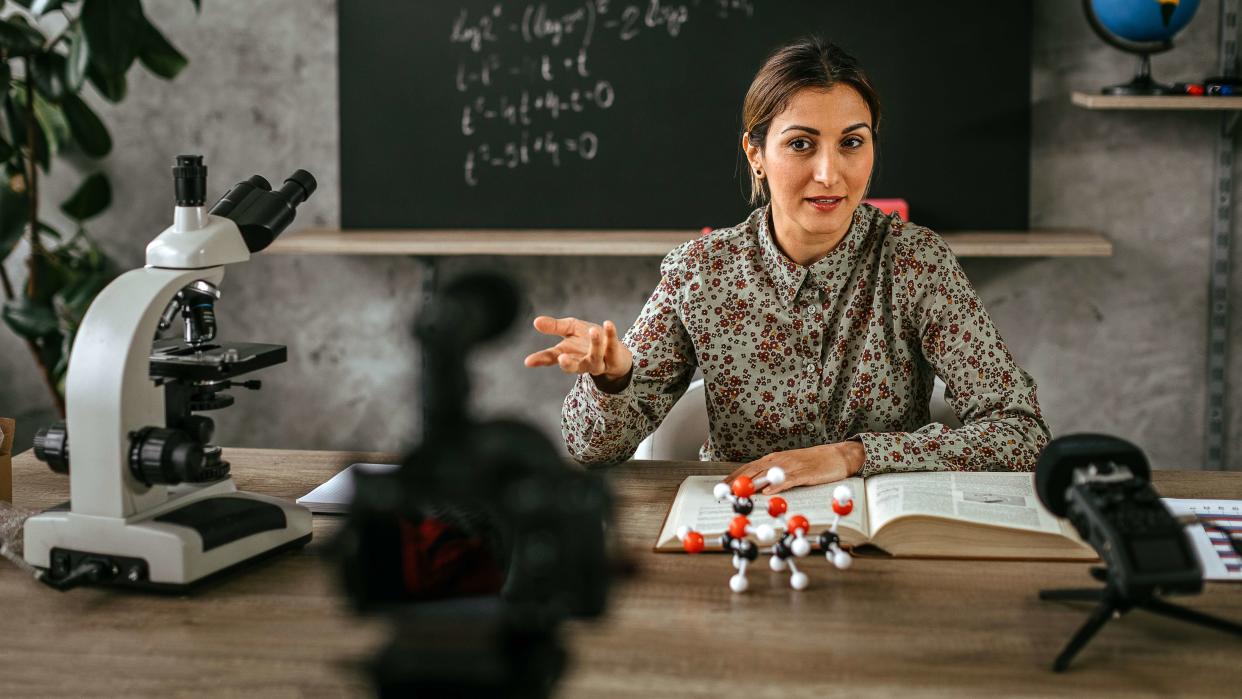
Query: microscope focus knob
x=160, y=455
x=51, y=446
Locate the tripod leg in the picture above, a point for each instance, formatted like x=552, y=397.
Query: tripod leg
x=1176, y=611
x=1074, y=595
x=1080, y=639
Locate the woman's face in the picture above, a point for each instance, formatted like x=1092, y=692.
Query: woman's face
x=817, y=161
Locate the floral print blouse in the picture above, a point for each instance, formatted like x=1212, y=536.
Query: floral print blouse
x=794, y=357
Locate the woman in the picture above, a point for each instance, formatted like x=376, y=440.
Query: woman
x=819, y=323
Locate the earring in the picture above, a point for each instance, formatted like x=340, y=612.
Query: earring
x=758, y=173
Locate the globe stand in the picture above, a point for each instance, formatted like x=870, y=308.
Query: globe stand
x=1142, y=84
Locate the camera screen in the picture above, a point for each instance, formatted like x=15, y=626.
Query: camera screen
x=1158, y=554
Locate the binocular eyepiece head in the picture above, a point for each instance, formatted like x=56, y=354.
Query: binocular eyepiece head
x=260, y=213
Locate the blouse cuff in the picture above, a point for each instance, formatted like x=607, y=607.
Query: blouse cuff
x=602, y=402
x=886, y=452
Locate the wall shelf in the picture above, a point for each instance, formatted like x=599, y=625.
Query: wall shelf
x=615, y=243
x=1090, y=100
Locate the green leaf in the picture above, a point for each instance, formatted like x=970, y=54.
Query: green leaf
x=50, y=232
x=87, y=128
x=79, y=57
x=76, y=296
x=18, y=37
x=159, y=56
x=111, y=86
x=52, y=120
x=14, y=215
x=48, y=72
x=41, y=7
x=114, y=29
x=50, y=348
x=61, y=369
x=48, y=273
x=15, y=108
x=29, y=319
x=92, y=196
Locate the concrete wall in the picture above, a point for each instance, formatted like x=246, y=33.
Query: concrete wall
x=1116, y=344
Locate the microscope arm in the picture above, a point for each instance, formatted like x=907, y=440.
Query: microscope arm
x=109, y=391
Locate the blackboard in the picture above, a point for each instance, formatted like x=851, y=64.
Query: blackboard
x=626, y=114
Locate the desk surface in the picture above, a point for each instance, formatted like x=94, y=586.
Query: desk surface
x=882, y=627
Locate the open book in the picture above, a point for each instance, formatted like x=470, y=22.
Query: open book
x=923, y=514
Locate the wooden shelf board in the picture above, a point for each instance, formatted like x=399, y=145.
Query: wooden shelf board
x=614, y=243
x=1175, y=102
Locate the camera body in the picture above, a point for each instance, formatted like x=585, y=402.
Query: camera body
x=1102, y=485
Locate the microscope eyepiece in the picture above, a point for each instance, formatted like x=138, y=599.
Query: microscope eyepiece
x=260, y=213
x=298, y=187
x=190, y=180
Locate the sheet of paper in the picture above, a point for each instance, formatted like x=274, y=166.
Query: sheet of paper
x=1219, y=521
x=338, y=491
x=998, y=499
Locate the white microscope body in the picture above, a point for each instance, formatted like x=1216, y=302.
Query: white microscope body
x=129, y=522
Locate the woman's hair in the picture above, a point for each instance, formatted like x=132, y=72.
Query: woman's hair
x=810, y=62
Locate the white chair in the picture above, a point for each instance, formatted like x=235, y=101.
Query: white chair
x=683, y=431
x=681, y=434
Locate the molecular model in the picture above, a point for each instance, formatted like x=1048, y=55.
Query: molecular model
x=793, y=542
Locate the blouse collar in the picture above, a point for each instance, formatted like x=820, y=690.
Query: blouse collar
x=827, y=273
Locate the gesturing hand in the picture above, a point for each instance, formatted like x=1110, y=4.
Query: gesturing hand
x=585, y=348
x=811, y=466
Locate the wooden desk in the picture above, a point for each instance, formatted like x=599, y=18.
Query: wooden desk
x=883, y=627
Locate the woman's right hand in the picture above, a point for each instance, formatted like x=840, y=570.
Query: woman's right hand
x=584, y=348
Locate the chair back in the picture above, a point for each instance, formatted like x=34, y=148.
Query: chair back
x=681, y=434
x=683, y=431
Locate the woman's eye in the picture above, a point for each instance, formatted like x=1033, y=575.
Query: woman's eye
x=852, y=142
x=800, y=144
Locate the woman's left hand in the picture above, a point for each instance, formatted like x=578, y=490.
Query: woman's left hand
x=811, y=466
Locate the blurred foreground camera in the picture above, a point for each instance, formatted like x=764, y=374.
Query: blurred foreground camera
x=485, y=540
x=1102, y=485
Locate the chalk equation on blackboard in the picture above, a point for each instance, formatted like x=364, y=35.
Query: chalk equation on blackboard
x=525, y=107
x=527, y=65
x=523, y=151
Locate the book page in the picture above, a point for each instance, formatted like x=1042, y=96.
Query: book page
x=696, y=508
x=996, y=499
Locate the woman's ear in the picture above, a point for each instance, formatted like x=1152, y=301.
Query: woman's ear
x=752, y=151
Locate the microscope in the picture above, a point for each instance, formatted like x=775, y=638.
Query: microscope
x=151, y=501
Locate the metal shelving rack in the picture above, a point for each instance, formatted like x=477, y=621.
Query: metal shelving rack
x=1217, y=365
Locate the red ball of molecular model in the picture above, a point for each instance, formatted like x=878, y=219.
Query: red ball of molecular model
x=793, y=542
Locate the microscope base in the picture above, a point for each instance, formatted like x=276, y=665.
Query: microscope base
x=170, y=547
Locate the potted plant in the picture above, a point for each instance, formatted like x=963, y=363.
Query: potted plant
x=49, y=51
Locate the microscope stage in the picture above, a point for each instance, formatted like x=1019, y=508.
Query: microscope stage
x=174, y=359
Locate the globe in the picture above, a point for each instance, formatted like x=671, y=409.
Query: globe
x=1141, y=27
